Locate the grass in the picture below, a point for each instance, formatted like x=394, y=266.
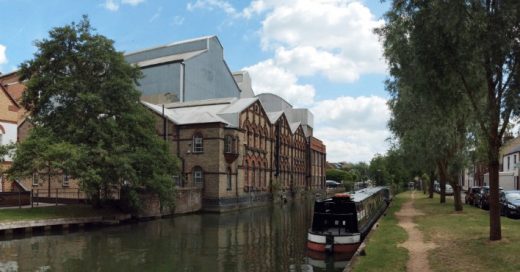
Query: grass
x=382, y=251
x=69, y=211
x=463, y=238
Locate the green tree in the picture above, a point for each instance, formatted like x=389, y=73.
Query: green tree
x=476, y=43
x=81, y=95
x=337, y=175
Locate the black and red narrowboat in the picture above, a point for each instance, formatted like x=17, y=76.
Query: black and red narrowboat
x=340, y=223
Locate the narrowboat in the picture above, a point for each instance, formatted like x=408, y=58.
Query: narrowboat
x=340, y=223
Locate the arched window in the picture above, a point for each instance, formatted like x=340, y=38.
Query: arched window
x=229, y=181
x=198, y=143
x=198, y=175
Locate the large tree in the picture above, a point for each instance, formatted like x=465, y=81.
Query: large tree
x=476, y=43
x=81, y=94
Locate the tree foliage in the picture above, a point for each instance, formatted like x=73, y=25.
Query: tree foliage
x=464, y=55
x=88, y=119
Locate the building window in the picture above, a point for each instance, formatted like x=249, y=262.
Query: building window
x=228, y=144
x=177, y=181
x=229, y=181
x=35, y=179
x=508, y=159
x=198, y=175
x=65, y=182
x=198, y=143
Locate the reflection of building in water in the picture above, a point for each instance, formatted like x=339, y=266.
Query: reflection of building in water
x=262, y=239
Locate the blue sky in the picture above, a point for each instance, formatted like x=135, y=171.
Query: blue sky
x=316, y=54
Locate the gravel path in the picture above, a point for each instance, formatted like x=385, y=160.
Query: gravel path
x=417, y=248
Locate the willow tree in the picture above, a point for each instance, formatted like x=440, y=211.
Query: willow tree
x=82, y=93
x=477, y=43
x=430, y=116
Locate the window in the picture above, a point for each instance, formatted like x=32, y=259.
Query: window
x=176, y=181
x=508, y=159
x=35, y=179
x=65, y=182
x=228, y=144
x=198, y=175
x=198, y=144
x=229, y=181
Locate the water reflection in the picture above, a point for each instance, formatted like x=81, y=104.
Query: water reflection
x=262, y=239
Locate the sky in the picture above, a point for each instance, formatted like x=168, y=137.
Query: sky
x=318, y=54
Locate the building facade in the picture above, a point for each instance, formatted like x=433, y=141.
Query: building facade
x=238, y=154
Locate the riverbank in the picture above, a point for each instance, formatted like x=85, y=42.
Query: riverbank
x=382, y=251
x=53, y=212
x=460, y=238
x=24, y=220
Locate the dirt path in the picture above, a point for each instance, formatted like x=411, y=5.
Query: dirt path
x=417, y=248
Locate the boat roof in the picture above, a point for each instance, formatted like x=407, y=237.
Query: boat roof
x=362, y=194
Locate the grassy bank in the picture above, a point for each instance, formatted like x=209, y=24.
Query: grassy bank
x=462, y=238
x=68, y=211
x=382, y=251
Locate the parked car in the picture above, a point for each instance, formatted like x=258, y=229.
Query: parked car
x=470, y=195
x=483, y=201
x=510, y=203
x=332, y=184
x=448, y=190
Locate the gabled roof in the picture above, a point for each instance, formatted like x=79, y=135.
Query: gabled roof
x=515, y=149
x=294, y=126
x=224, y=110
x=4, y=90
x=273, y=116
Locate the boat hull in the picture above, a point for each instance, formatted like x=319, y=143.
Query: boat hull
x=333, y=243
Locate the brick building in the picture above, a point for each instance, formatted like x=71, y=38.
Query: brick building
x=238, y=147
x=239, y=153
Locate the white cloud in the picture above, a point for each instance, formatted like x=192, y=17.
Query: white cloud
x=353, y=128
x=266, y=77
x=3, y=57
x=336, y=37
x=213, y=4
x=132, y=2
x=113, y=5
x=178, y=20
x=156, y=15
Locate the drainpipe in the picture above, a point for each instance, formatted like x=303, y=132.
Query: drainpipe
x=182, y=87
x=177, y=132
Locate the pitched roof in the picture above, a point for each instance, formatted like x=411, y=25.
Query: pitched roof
x=225, y=110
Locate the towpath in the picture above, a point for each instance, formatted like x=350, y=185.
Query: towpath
x=417, y=248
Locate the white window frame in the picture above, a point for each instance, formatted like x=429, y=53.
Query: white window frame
x=65, y=181
x=35, y=179
x=198, y=144
x=228, y=144
x=198, y=175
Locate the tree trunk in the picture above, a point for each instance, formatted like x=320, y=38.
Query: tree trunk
x=442, y=181
x=495, y=231
x=457, y=203
x=432, y=180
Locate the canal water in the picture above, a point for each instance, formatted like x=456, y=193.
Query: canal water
x=269, y=238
